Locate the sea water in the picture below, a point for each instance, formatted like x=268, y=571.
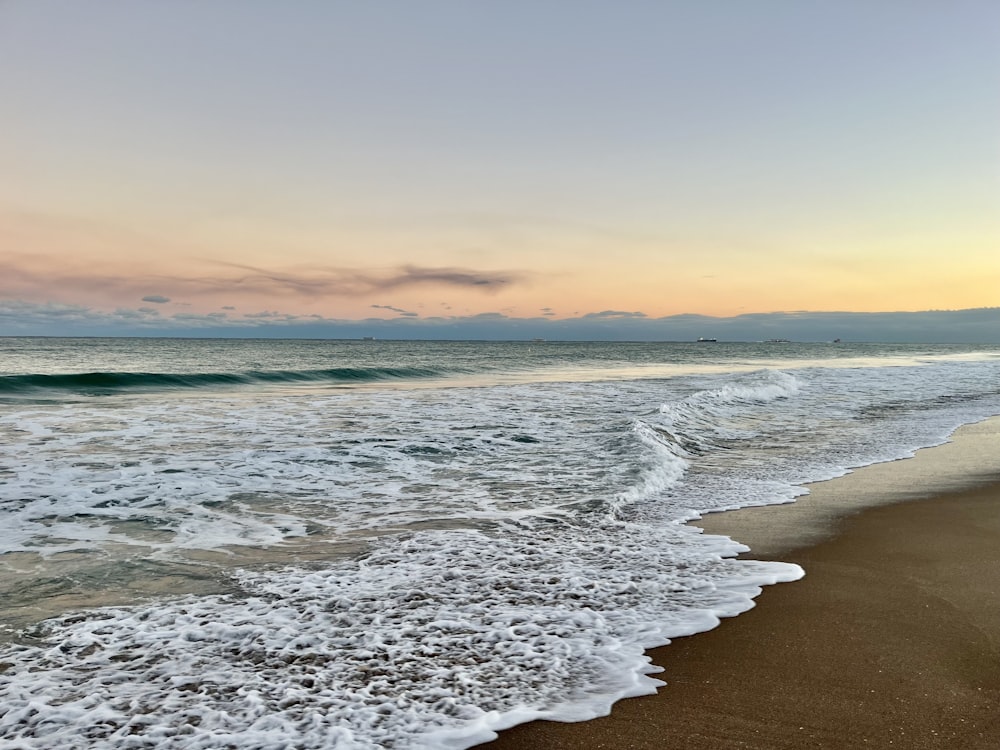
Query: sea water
x=375, y=544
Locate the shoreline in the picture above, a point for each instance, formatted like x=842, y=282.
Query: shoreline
x=891, y=640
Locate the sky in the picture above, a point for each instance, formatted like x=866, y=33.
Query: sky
x=653, y=169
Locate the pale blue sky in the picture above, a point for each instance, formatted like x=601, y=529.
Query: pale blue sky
x=664, y=157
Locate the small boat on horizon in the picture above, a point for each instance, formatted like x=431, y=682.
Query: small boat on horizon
x=703, y=340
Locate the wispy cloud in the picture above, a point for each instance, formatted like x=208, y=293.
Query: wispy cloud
x=29, y=277
x=348, y=282
x=398, y=310
x=615, y=314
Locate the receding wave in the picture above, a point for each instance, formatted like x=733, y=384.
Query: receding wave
x=91, y=383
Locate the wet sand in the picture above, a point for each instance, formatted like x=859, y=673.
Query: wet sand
x=892, y=640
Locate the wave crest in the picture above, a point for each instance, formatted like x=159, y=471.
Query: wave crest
x=101, y=383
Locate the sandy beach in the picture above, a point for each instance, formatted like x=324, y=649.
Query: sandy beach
x=892, y=640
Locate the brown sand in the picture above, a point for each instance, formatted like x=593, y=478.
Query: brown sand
x=892, y=640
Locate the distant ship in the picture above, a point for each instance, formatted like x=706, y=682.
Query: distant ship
x=703, y=340
x=777, y=341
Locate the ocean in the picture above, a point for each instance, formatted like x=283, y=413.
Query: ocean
x=381, y=544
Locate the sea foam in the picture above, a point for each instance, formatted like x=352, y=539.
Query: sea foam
x=434, y=640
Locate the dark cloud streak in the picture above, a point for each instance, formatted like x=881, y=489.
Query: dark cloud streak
x=245, y=279
x=353, y=282
x=614, y=315
x=397, y=310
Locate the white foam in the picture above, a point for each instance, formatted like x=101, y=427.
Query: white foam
x=435, y=640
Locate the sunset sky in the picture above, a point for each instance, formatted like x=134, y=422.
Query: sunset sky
x=191, y=165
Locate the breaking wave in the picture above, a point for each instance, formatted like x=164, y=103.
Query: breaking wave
x=98, y=383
